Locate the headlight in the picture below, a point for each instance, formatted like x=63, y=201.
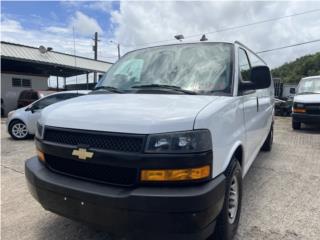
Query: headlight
x=179, y=142
x=39, y=132
x=299, y=105
x=299, y=108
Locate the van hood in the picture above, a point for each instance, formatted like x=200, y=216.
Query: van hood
x=127, y=113
x=307, y=98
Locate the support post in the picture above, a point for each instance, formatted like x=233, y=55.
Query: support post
x=87, y=80
x=95, y=50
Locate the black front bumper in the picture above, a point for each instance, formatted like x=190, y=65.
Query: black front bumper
x=306, y=118
x=154, y=212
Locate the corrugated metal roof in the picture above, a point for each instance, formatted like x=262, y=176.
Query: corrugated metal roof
x=32, y=54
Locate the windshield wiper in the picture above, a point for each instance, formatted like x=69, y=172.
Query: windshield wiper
x=109, y=89
x=164, y=86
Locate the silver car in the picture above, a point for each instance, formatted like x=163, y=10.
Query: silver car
x=21, y=123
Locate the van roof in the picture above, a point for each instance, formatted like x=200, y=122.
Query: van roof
x=312, y=77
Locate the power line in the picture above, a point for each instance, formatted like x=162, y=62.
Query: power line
x=231, y=28
x=288, y=46
x=259, y=22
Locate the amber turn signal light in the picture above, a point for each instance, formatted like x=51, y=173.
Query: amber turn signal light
x=165, y=175
x=41, y=155
x=299, y=110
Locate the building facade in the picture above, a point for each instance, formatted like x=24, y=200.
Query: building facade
x=25, y=67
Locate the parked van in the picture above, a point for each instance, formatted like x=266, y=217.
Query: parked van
x=306, y=103
x=159, y=149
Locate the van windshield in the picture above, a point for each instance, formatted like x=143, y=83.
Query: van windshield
x=201, y=68
x=309, y=86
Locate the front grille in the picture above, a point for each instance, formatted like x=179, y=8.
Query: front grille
x=94, y=139
x=312, y=108
x=92, y=171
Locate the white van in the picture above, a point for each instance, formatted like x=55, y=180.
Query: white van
x=160, y=148
x=306, y=102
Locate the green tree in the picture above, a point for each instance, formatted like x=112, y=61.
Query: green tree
x=305, y=66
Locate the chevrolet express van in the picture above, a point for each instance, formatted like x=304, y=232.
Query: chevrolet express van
x=306, y=102
x=159, y=149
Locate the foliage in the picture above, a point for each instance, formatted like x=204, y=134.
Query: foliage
x=305, y=66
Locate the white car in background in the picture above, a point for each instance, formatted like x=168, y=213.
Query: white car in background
x=21, y=123
x=306, y=103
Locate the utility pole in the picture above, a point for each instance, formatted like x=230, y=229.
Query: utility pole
x=95, y=50
x=118, y=46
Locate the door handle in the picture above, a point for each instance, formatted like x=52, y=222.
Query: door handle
x=257, y=104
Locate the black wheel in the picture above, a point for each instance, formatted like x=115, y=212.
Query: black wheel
x=296, y=125
x=228, y=219
x=267, y=145
x=18, y=130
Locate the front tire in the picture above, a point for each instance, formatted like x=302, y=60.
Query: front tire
x=228, y=219
x=18, y=130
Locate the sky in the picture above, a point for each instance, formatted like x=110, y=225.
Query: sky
x=142, y=24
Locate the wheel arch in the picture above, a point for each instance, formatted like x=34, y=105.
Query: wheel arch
x=239, y=155
x=236, y=151
x=16, y=119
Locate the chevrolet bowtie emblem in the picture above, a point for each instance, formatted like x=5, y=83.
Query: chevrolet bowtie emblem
x=82, y=153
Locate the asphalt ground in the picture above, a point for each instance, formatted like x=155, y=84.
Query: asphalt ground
x=281, y=193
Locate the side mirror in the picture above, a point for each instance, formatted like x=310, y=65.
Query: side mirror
x=246, y=85
x=260, y=76
x=31, y=109
x=292, y=90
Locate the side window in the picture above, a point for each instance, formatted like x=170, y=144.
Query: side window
x=45, y=102
x=254, y=60
x=16, y=82
x=52, y=99
x=26, y=83
x=61, y=97
x=244, y=65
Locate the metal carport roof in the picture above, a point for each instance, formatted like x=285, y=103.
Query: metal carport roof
x=27, y=59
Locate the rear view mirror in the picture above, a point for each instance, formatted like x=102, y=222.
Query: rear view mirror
x=292, y=90
x=260, y=76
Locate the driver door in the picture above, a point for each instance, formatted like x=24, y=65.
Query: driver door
x=250, y=109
